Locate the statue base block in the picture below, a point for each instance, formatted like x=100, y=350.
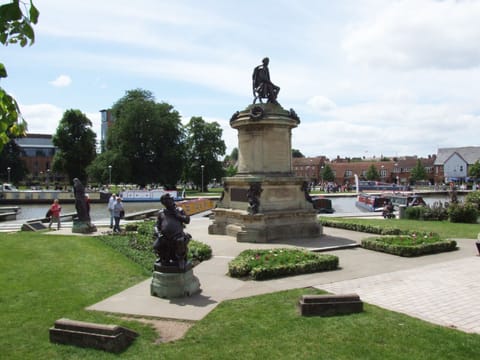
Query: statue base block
x=174, y=284
x=264, y=228
x=83, y=227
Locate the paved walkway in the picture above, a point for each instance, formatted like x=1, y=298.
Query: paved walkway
x=442, y=288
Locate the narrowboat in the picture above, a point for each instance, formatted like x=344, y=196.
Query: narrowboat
x=407, y=200
x=153, y=195
x=9, y=194
x=371, y=202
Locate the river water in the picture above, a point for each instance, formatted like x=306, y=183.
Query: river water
x=99, y=212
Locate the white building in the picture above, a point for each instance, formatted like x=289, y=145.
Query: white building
x=456, y=162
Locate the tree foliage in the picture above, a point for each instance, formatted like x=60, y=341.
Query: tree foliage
x=418, y=172
x=75, y=141
x=372, y=173
x=205, y=146
x=327, y=173
x=474, y=170
x=144, y=144
x=10, y=157
x=297, y=153
x=16, y=20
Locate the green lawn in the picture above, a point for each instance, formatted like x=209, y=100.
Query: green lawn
x=46, y=277
x=445, y=229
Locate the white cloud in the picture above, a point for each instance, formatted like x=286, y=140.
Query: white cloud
x=321, y=103
x=388, y=128
x=61, y=81
x=42, y=118
x=418, y=34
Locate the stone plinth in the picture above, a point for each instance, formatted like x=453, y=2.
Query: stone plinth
x=265, y=201
x=330, y=305
x=112, y=338
x=83, y=227
x=174, y=284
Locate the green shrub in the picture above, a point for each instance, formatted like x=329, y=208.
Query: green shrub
x=436, y=212
x=416, y=244
x=415, y=212
x=473, y=198
x=198, y=251
x=463, y=213
x=138, y=246
x=267, y=264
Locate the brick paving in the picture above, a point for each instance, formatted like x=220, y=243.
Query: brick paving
x=446, y=294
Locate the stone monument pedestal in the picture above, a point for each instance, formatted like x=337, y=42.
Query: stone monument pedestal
x=265, y=201
x=171, y=282
x=83, y=227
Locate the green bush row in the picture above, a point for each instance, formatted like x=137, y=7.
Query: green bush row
x=454, y=212
x=268, y=264
x=435, y=212
x=372, y=229
x=473, y=198
x=137, y=245
x=463, y=213
x=393, y=245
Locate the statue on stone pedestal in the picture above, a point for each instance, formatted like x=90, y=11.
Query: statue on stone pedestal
x=81, y=224
x=171, y=243
x=263, y=88
x=80, y=201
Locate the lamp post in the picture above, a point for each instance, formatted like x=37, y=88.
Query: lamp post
x=47, y=179
x=202, y=166
x=8, y=171
x=109, y=175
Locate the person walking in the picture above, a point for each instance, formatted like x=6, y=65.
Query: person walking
x=111, y=203
x=55, y=209
x=118, y=211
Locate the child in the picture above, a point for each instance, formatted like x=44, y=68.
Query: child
x=55, y=209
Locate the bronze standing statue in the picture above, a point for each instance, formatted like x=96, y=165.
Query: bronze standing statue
x=171, y=243
x=263, y=88
x=80, y=201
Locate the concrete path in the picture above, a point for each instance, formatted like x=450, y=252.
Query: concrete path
x=442, y=288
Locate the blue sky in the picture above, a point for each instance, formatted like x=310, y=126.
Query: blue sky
x=366, y=77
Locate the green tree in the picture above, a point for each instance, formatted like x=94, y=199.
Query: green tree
x=474, y=170
x=10, y=158
x=297, y=154
x=372, y=173
x=418, y=172
x=205, y=146
x=16, y=20
x=326, y=174
x=75, y=141
x=230, y=163
x=145, y=142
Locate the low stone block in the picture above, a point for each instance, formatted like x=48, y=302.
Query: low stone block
x=111, y=338
x=330, y=305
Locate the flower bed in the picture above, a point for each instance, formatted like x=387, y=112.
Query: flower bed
x=410, y=245
x=267, y=264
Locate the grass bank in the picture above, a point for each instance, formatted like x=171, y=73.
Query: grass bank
x=46, y=277
x=445, y=229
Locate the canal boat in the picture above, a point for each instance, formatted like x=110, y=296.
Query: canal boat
x=9, y=194
x=407, y=200
x=153, y=195
x=371, y=202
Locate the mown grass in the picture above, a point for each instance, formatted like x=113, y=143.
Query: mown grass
x=46, y=277
x=444, y=228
